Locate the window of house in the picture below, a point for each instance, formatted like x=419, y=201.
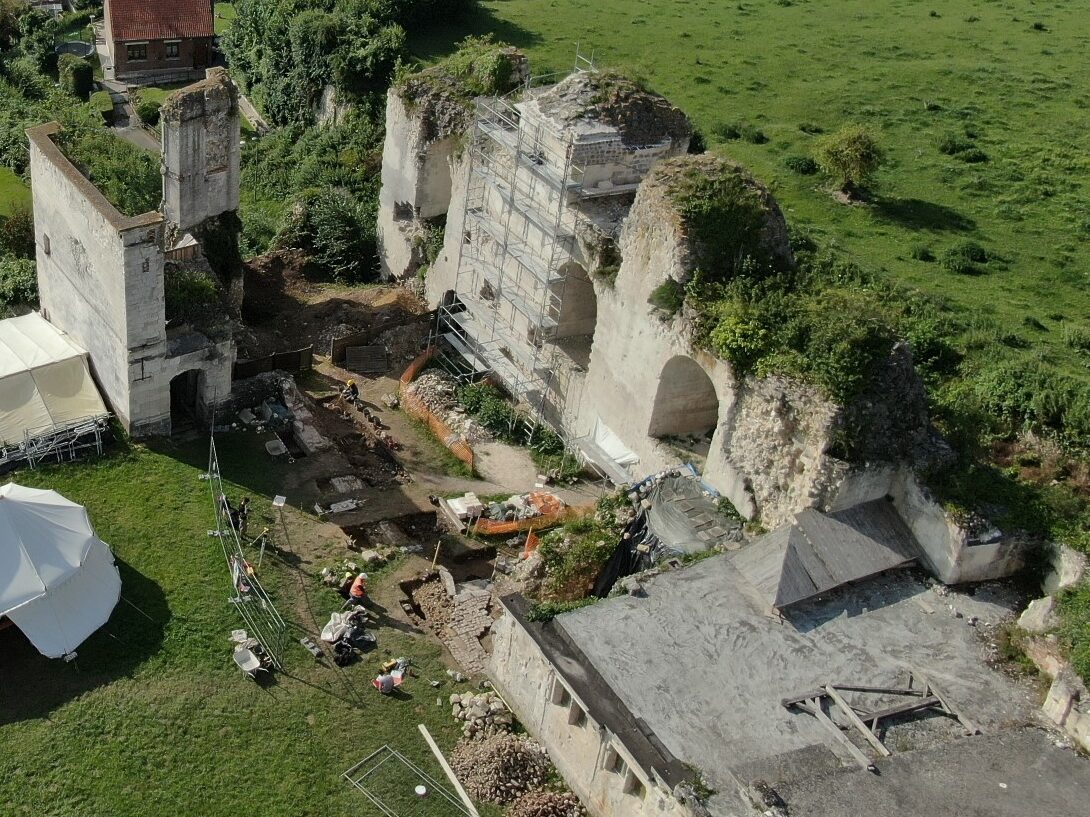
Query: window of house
x=136, y=51
x=576, y=715
x=560, y=695
x=172, y=50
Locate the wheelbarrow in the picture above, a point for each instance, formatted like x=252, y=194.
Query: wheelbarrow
x=250, y=661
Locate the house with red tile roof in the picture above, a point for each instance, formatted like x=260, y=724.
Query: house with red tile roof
x=152, y=41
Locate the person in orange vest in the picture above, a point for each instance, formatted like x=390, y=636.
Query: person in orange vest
x=357, y=594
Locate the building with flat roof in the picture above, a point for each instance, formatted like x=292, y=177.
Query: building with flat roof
x=871, y=697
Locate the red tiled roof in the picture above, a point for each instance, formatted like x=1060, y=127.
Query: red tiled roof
x=159, y=19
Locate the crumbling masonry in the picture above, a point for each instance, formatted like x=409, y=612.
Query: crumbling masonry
x=101, y=274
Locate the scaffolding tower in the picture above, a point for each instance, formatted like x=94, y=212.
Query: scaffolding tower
x=519, y=232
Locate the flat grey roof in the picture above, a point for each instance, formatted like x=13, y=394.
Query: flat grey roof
x=702, y=663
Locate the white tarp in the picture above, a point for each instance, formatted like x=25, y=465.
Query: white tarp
x=58, y=581
x=44, y=379
x=611, y=444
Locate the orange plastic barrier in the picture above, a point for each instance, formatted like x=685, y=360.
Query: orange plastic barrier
x=415, y=407
x=492, y=527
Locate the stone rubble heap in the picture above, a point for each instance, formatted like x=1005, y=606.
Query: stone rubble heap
x=500, y=768
x=438, y=391
x=403, y=343
x=483, y=714
x=547, y=804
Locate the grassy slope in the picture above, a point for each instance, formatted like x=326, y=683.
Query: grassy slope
x=153, y=717
x=13, y=193
x=225, y=13
x=879, y=62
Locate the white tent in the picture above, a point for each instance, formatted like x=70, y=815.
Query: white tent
x=44, y=379
x=58, y=581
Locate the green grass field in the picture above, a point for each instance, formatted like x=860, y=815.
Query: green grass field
x=153, y=717
x=225, y=13
x=13, y=193
x=915, y=74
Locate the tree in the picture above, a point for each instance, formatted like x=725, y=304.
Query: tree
x=76, y=76
x=852, y=155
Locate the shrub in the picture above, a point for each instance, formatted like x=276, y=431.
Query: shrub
x=126, y=175
x=972, y=156
x=147, y=109
x=753, y=134
x=852, y=155
x=727, y=131
x=964, y=258
x=76, y=76
x=811, y=128
x=340, y=231
x=104, y=105
x=18, y=281
x=952, y=144
x=17, y=234
x=668, y=297
x=803, y=165
x=921, y=252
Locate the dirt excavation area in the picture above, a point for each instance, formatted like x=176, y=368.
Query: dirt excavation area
x=369, y=477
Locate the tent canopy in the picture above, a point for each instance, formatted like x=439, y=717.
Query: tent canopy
x=44, y=379
x=58, y=581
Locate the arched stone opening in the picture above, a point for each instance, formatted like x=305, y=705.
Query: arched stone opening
x=577, y=314
x=685, y=401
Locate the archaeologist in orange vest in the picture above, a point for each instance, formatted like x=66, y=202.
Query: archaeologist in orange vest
x=357, y=594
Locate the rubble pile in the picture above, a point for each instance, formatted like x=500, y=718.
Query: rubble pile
x=438, y=391
x=500, y=768
x=403, y=343
x=547, y=804
x=435, y=604
x=484, y=714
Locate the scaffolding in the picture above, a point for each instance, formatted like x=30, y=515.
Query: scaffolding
x=252, y=601
x=57, y=443
x=519, y=233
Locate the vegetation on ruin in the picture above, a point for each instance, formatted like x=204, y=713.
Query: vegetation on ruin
x=479, y=67
x=128, y=176
x=574, y=554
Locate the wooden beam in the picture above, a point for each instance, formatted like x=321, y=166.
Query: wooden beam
x=470, y=808
x=967, y=725
x=864, y=730
x=854, y=750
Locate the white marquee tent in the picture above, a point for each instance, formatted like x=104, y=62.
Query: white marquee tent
x=44, y=379
x=58, y=581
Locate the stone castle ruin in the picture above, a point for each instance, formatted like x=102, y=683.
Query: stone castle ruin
x=560, y=224
x=102, y=274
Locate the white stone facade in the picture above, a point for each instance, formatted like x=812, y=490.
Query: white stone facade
x=101, y=275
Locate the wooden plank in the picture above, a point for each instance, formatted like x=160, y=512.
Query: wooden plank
x=902, y=709
x=967, y=725
x=472, y=809
x=879, y=690
x=854, y=750
x=864, y=730
x=806, y=696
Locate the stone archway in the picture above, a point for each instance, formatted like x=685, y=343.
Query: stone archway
x=685, y=400
x=185, y=399
x=577, y=315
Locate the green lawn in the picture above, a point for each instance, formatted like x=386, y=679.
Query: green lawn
x=915, y=74
x=153, y=717
x=225, y=13
x=13, y=192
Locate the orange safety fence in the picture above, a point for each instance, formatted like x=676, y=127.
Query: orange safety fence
x=414, y=407
x=492, y=527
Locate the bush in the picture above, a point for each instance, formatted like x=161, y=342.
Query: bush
x=921, y=252
x=852, y=155
x=340, y=232
x=952, y=144
x=668, y=297
x=18, y=282
x=753, y=134
x=727, y=131
x=147, y=109
x=964, y=258
x=126, y=175
x=17, y=234
x=803, y=165
x=104, y=105
x=76, y=76
x=972, y=156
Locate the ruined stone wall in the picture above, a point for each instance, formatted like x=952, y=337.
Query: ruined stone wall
x=100, y=274
x=101, y=278
x=416, y=185
x=201, y=151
